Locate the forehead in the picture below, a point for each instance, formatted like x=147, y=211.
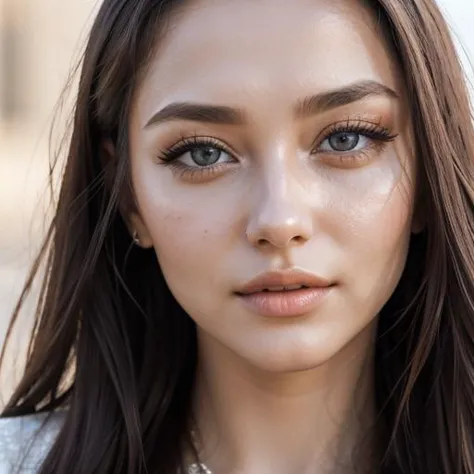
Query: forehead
x=228, y=52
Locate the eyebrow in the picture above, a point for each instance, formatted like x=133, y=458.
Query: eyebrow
x=339, y=97
x=225, y=115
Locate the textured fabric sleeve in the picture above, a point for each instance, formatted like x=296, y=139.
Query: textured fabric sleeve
x=24, y=445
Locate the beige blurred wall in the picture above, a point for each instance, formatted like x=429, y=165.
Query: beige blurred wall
x=39, y=42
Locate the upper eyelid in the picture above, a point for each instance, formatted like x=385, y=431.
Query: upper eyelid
x=357, y=124
x=203, y=140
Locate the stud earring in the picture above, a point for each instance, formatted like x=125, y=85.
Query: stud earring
x=135, y=238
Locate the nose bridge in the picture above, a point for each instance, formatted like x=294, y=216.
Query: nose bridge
x=281, y=215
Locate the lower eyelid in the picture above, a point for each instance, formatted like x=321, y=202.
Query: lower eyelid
x=197, y=174
x=353, y=158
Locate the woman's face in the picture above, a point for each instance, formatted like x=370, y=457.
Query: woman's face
x=273, y=136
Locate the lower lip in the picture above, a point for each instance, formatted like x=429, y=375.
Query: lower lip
x=286, y=303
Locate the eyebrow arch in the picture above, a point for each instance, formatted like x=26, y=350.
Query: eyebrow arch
x=339, y=97
x=225, y=115
x=217, y=114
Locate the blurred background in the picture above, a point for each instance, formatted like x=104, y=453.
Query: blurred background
x=40, y=40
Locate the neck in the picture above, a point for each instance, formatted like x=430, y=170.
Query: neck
x=309, y=421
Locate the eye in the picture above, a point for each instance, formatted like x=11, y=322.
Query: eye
x=197, y=152
x=204, y=156
x=344, y=141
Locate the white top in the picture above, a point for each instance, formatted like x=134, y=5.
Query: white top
x=22, y=452
x=17, y=440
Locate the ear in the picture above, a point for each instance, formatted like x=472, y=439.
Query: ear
x=138, y=228
x=128, y=208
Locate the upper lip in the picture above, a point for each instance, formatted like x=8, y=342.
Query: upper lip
x=283, y=278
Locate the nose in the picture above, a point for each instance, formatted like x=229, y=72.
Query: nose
x=281, y=219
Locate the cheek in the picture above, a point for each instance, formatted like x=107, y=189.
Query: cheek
x=377, y=213
x=376, y=203
x=184, y=234
x=191, y=231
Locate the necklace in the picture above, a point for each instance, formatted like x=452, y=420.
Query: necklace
x=198, y=469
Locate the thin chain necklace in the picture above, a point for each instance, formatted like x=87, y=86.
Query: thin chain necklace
x=200, y=467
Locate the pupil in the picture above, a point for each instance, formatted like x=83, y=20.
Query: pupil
x=344, y=141
x=205, y=156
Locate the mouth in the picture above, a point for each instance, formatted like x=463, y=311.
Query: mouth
x=284, y=288
x=285, y=293
x=288, y=280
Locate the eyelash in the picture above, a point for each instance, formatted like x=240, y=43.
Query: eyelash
x=168, y=157
x=378, y=135
x=189, y=144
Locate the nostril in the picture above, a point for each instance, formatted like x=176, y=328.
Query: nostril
x=295, y=240
x=298, y=239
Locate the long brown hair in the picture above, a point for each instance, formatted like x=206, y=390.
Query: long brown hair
x=120, y=353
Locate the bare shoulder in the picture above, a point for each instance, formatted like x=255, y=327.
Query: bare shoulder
x=27, y=438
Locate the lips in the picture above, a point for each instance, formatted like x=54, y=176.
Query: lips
x=285, y=294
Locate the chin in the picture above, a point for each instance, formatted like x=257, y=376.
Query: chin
x=293, y=358
x=310, y=350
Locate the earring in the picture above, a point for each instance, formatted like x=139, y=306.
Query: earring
x=135, y=238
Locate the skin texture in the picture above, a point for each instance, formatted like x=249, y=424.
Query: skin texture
x=276, y=395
